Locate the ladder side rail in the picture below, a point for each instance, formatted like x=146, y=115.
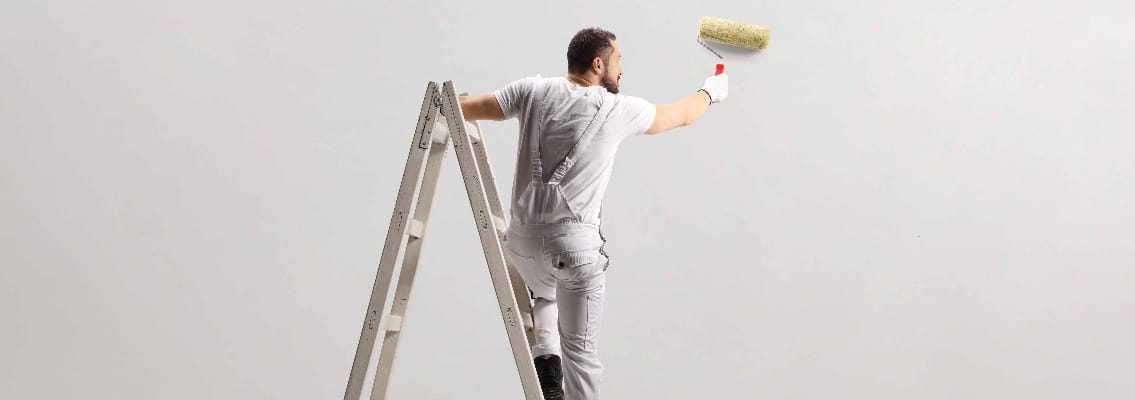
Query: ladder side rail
x=519, y=290
x=404, y=286
x=411, y=180
x=490, y=243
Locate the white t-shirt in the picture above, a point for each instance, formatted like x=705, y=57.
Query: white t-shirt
x=568, y=109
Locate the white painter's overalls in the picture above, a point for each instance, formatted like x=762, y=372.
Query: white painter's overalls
x=561, y=259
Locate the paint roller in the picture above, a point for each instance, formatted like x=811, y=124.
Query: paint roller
x=732, y=33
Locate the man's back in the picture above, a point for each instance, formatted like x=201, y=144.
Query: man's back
x=557, y=117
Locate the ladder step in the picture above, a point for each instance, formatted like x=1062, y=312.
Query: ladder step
x=526, y=319
x=393, y=323
x=474, y=133
x=440, y=132
x=499, y=223
x=415, y=229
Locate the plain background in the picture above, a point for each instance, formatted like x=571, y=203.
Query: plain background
x=898, y=200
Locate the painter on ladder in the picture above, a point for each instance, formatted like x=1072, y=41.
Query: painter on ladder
x=570, y=129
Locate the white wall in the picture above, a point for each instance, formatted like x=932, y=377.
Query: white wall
x=899, y=200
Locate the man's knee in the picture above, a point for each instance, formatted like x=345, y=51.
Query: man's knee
x=578, y=344
x=549, y=299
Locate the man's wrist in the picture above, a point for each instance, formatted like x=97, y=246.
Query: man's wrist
x=707, y=95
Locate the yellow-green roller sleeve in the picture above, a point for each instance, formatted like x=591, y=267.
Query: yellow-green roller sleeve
x=734, y=33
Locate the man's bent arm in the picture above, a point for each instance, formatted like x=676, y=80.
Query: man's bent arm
x=481, y=107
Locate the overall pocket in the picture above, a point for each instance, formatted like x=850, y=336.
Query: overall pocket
x=571, y=250
x=573, y=259
x=582, y=271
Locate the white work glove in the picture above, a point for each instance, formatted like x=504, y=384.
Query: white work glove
x=717, y=87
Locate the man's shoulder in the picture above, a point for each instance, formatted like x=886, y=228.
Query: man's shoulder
x=632, y=102
x=544, y=79
x=546, y=82
x=532, y=80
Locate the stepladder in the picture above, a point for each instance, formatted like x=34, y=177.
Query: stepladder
x=440, y=123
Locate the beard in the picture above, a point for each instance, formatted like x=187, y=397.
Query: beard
x=612, y=85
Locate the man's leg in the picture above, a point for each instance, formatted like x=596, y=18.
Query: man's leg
x=545, y=317
x=580, y=295
x=546, y=350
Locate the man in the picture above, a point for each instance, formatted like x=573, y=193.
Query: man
x=570, y=129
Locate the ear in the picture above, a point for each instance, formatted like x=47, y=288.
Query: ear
x=597, y=65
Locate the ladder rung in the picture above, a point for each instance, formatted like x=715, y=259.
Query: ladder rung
x=526, y=318
x=499, y=223
x=474, y=133
x=415, y=229
x=441, y=131
x=393, y=323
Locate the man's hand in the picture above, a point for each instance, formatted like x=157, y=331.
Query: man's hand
x=481, y=107
x=717, y=87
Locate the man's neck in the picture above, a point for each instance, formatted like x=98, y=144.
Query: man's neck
x=584, y=81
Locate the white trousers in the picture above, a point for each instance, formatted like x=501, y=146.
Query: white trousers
x=565, y=274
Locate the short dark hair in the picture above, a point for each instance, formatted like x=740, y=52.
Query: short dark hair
x=587, y=44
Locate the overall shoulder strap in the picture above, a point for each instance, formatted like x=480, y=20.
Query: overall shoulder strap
x=535, y=110
x=605, y=109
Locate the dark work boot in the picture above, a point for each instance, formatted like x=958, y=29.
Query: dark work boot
x=551, y=376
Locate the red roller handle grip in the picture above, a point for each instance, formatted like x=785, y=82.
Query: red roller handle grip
x=720, y=69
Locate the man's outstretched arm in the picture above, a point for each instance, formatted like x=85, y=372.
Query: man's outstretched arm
x=481, y=107
x=691, y=108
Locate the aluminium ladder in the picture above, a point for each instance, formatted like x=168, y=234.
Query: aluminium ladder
x=440, y=119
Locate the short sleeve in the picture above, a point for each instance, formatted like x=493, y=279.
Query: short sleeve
x=640, y=114
x=513, y=97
